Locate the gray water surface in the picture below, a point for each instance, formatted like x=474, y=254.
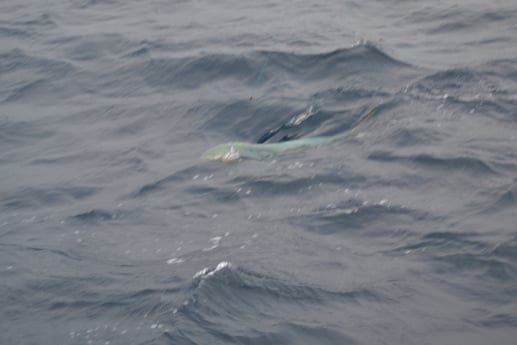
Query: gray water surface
x=113, y=231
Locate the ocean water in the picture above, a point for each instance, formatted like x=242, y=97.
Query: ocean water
x=114, y=231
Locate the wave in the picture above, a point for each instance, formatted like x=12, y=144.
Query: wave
x=32, y=197
x=467, y=165
x=262, y=303
x=355, y=215
x=49, y=78
x=471, y=90
x=266, y=67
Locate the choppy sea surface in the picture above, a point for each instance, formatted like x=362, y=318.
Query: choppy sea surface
x=114, y=231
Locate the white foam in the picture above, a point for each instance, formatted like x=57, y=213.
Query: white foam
x=206, y=272
x=175, y=261
x=201, y=273
x=215, y=243
x=222, y=265
x=298, y=119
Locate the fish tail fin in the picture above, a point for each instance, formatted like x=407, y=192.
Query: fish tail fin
x=359, y=123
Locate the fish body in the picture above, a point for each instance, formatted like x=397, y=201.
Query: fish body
x=233, y=151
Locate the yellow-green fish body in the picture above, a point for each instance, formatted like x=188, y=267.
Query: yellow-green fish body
x=232, y=151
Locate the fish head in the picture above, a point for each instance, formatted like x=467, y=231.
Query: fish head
x=225, y=152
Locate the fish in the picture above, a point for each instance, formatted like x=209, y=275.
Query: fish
x=237, y=150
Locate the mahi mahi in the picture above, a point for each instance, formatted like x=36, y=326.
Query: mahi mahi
x=233, y=151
